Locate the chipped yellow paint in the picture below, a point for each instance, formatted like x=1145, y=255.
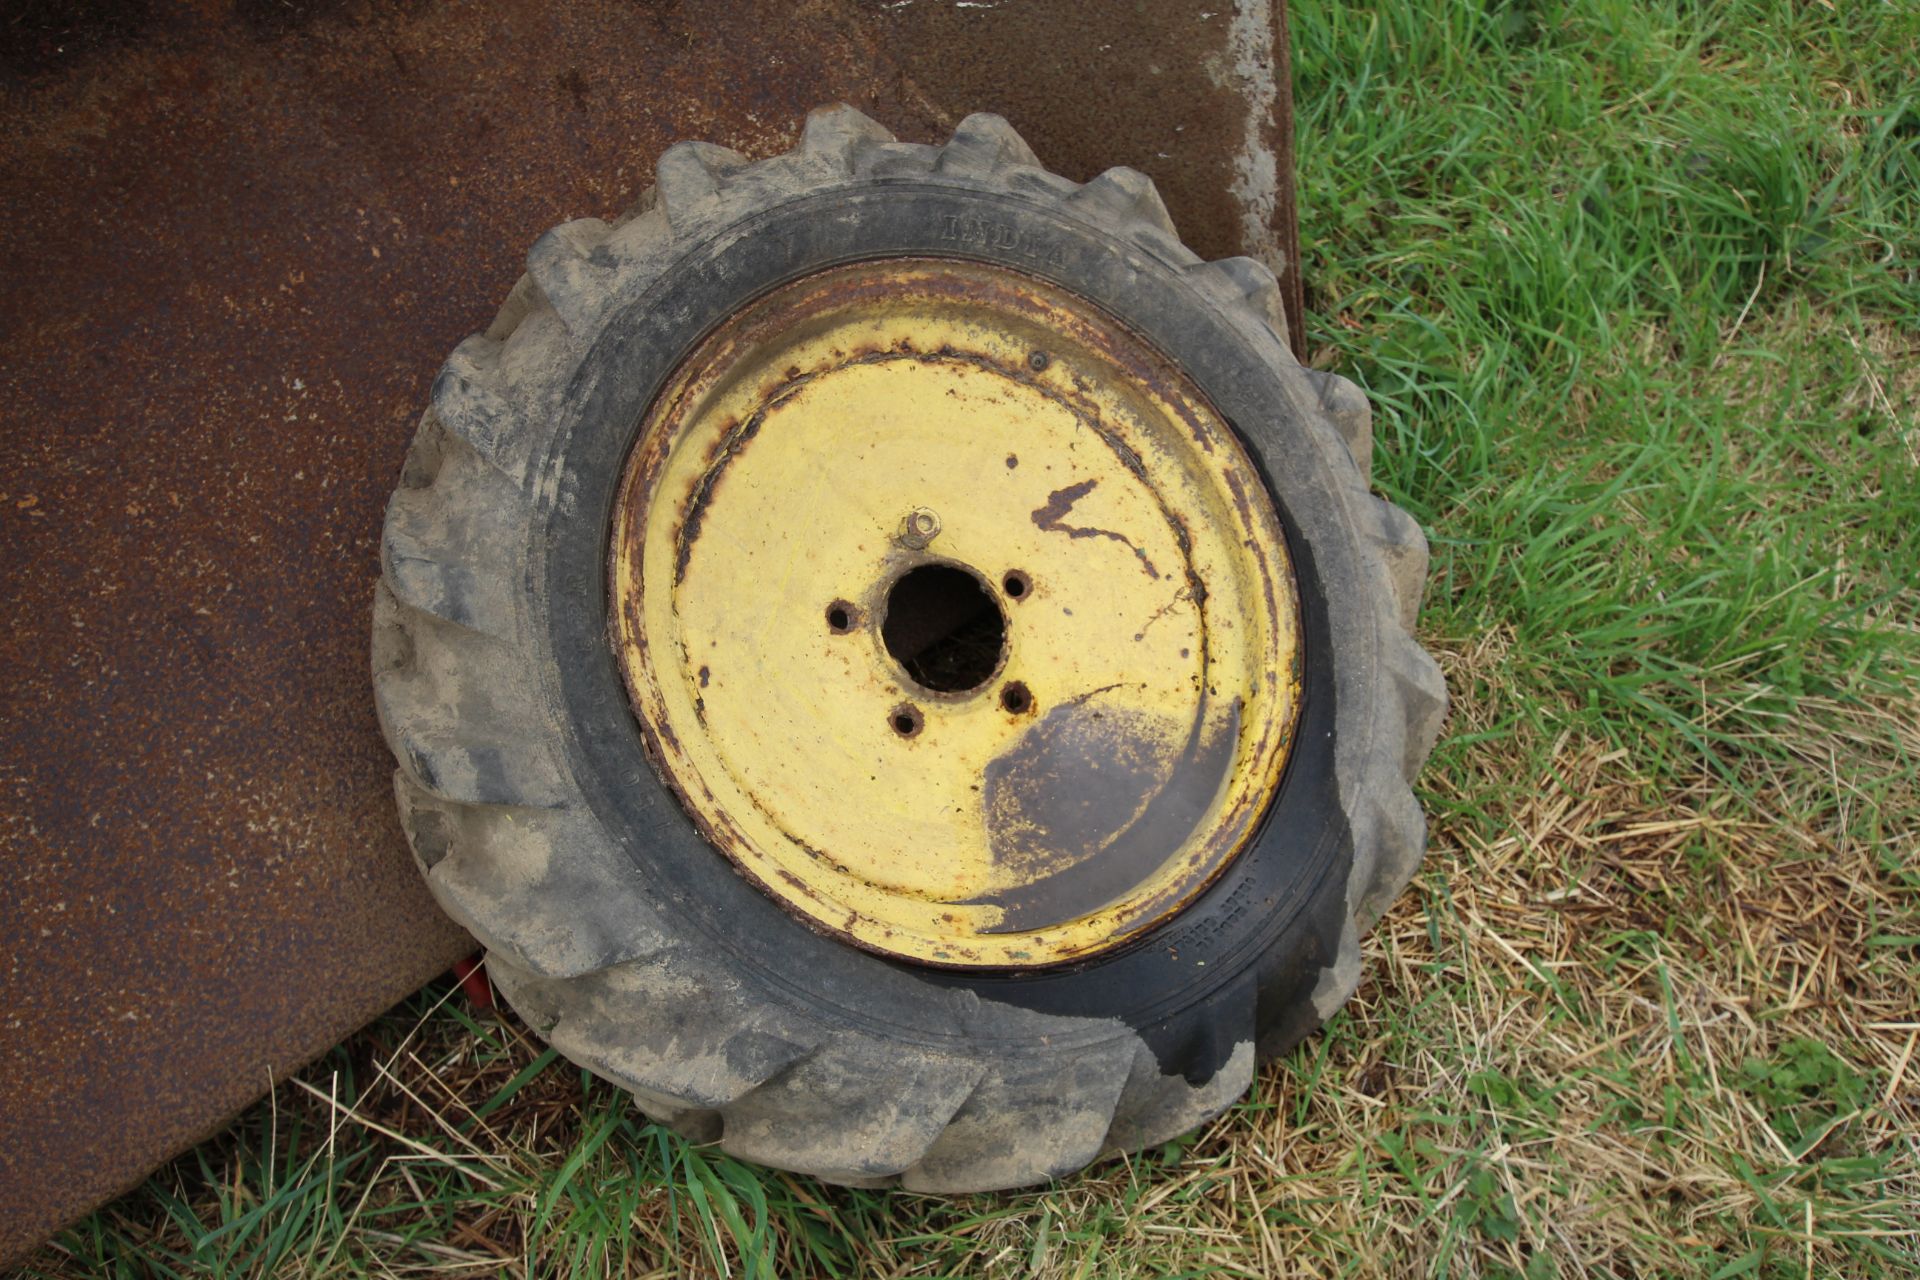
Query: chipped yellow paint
x=878, y=417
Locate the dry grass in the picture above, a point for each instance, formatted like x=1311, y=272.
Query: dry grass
x=1600, y=981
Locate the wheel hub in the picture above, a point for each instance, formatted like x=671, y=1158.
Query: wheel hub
x=954, y=615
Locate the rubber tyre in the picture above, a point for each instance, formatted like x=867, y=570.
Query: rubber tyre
x=631, y=944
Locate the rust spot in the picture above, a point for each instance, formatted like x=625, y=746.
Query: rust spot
x=1239, y=492
x=702, y=494
x=715, y=451
x=1050, y=519
x=1180, y=597
x=1269, y=599
x=658, y=736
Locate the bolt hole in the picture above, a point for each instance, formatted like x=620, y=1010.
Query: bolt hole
x=1015, y=698
x=945, y=627
x=1038, y=361
x=1016, y=585
x=840, y=617
x=906, y=720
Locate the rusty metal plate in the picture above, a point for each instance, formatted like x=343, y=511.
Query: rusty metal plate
x=239, y=238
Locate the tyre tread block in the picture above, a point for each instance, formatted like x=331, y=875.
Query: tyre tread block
x=858, y=1112
x=1025, y=1122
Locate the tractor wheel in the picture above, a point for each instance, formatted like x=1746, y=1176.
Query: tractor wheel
x=898, y=664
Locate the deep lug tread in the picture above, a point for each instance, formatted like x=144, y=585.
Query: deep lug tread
x=646, y=202
x=1339, y=980
x=1163, y=247
x=1395, y=833
x=424, y=456
x=1250, y=283
x=529, y=376
x=1351, y=412
x=689, y=178
x=1034, y=181
x=1403, y=549
x=896, y=160
x=492, y=869
x=1156, y=1107
x=455, y=711
x=574, y=271
x=982, y=144
x=635, y=244
x=1123, y=194
x=835, y=137
x=521, y=299
x=469, y=402
x=1423, y=698
x=1025, y=1122
x=447, y=549
x=703, y=1045
x=849, y=1116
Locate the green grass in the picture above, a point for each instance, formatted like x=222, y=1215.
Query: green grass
x=1635, y=290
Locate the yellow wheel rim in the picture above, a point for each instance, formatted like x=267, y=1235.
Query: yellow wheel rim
x=954, y=615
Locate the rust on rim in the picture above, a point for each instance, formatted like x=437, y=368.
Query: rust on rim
x=954, y=614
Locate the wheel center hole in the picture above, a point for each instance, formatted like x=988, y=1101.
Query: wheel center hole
x=944, y=627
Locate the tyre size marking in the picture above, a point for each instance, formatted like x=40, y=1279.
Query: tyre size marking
x=1002, y=238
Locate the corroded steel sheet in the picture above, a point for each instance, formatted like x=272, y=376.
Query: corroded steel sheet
x=237, y=240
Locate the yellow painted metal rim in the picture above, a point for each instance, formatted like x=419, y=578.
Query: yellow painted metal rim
x=955, y=616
